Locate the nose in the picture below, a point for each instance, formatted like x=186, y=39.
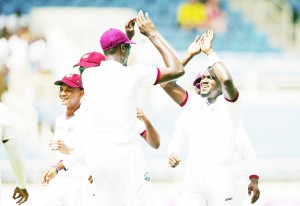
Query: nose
x=62, y=93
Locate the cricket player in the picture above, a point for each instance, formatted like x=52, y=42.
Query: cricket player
x=144, y=126
x=9, y=140
x=213, y=125
x=66, y=189
x=116, y=162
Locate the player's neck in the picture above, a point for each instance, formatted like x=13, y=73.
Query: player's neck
x=71, y=111
x=210, y=101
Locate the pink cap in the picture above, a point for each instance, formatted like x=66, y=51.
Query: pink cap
x=72, y=80
x=112, y=38
x=90, y=59
x=197, y=80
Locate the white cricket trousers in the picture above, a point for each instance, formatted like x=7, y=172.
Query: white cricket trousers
x=217, y=186
x=64, y=191
x=120, y=176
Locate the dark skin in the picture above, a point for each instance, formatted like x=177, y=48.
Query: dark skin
x=173, y=67
x=215, y=82
x=21, y=195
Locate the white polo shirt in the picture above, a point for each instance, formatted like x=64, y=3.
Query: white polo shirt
x=71, y=131
x=211, y=131
x=110, y=99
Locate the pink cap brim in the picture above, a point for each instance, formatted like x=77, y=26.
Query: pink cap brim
x=86, y=64
x=129, y=42
x=69, y=83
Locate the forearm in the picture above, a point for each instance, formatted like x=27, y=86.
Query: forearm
x=186, y=59
x=170, y=59
x=152, y=135
x=16, y=161
x=176, y=92
x=220, y=71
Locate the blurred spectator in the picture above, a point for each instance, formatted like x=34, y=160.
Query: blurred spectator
x=39, y=55
x=216, y=17
x=202, y=15
x=16, y=21
x=192, y=14
x=4, y=52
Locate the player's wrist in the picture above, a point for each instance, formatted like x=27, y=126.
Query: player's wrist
x=254, y=178
x=56, y=168
x=213, y=58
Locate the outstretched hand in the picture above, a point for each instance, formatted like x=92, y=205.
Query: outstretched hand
x=21, y=195
x=206, y=42
x=129, y=28
x=145, y=24
x=195, y=46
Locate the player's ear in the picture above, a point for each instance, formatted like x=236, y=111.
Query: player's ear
x=123, y=49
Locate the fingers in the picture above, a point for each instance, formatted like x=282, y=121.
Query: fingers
x=129, y=26
x=90, y=179
x=47, y=177
x=21, y=201
x=174, y=160
x=197, y=38
x=210, y=34
x=21, y=195
x=141, y=16
x=255, y=196
x=202, y=37
x=147, y=16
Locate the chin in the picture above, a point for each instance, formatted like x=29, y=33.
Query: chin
x=204, y=94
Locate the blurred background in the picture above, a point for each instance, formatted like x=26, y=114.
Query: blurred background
x=258, y=40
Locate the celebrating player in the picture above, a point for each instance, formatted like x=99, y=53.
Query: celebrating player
x=213, y=124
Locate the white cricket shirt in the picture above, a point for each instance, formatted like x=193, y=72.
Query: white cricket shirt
x=110, y=99
x=211, y=131
x=71, y=131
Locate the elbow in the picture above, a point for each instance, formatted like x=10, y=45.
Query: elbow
x=156, y=146
x=180, y=73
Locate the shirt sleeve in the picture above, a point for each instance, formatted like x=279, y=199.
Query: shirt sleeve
x=146, y=75
x=17, y=161
x=7, y=132
x=7, y=128
x=179, y=138
x=246, y=152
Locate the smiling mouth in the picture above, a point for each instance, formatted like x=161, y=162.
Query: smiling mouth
x=205, y=86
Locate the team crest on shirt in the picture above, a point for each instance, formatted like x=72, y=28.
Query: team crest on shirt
x=70, y=128
x=147, y=177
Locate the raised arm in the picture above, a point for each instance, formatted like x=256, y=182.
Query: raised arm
x=173, y=67
x=219, y=69
x=151, y=135
x=175, y=91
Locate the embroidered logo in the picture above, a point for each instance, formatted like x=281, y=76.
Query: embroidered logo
x=147, y=176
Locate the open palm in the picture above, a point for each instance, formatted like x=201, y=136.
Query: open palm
x=206, y=41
